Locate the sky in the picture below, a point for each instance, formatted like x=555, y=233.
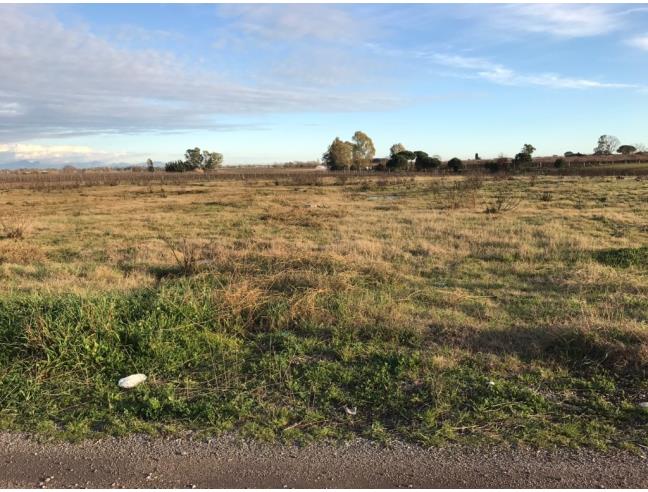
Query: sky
x=114, y=84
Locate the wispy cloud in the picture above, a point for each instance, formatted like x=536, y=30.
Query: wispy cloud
x=640, y=42
x=61, y=81
x=294, y=22
x=500, y=74
x=560, y=20
x=483, y=68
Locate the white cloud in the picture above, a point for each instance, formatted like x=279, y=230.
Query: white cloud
x=290, y=22
x=500, y=74
x=61, y=81
x=640, y=42
x=561, y=20
x=56, y=155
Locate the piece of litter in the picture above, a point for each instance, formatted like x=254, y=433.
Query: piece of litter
x=491, y=383
x=350, y=411
x=643, y=404
x=131, y=381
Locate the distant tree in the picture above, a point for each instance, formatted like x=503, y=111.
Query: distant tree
x=569, y=153
x=455, y=164
x=339, y=155
x=363, y=150
x=176, y=166
x=211, y=160
x=528, y=149
x=606, y=145
x=408, y=154
x=194, y=158
x=640, y=147
x=477, y=158
x=398, y=162
x=627, y=149
x=403, y=160
x=424, y=162
x=560, y=162
x=150, y=167
x=522, y=158
x=395, y=149
x=498, y=165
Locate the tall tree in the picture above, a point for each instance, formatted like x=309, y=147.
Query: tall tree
x=339, y=155
x=627, y=149
x=363, y=149
x=194, y=158
x=528, y=149
x=396, y=149
x=211, y=160
x=606, y=144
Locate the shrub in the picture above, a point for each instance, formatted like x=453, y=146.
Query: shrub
x=455, y=164
x=522, y=158
x=398, y=162
x=498, y=165
x=560, y=163
x=13, y=227
x=177, y=167
x=504, y=201
x=424, y=161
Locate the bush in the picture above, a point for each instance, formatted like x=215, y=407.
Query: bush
x=455, y=164
x=398, y=162
x=560, y=163
x=522, y=158
x=498, y=165
x=177, y=167
x=424, y=161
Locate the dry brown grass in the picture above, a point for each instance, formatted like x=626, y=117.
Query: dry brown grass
x=401, y=233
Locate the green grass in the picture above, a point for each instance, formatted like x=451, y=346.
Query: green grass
x=272, y=376
x=624, y=257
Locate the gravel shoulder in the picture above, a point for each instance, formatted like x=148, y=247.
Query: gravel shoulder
x=140, y=461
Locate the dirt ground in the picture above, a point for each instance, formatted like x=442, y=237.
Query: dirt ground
x=141, y=461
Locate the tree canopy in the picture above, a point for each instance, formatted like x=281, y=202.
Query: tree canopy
x=195, y=159
x=363, y=149
x=627, y=149
x=339, y=155
x=606, y=145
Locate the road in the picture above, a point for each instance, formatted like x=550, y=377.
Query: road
x=140, y=461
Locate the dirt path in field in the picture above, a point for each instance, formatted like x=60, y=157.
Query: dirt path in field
x=139, y=461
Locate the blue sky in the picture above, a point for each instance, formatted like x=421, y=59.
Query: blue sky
x=103, y=84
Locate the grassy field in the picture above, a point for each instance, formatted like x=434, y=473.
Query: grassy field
x=442, y=309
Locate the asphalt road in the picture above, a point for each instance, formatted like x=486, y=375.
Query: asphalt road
x=140, y=461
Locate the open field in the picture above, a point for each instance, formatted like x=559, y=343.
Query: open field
x=267, y=306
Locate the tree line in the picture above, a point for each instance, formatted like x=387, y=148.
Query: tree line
x=359, y=153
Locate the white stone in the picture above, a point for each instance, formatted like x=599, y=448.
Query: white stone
x=131, y=381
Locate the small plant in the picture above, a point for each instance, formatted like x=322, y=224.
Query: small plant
x=187, y=254
x=504, y=202
x=14, y=227
x=545, y=197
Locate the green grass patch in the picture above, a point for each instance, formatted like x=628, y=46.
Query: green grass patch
x=274, y=376
x=624, y=257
